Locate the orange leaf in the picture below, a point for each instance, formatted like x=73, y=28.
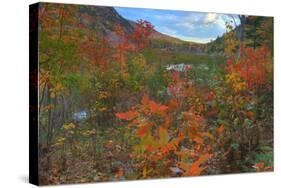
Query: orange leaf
x=259, y=166
x=150, y=148
x=220, y=129
x=250, y=114
x=157, y=108
x=173, y=104
x=163, y=107
x=145, y=100
x=198, y=140
x=119, y=173
x=195, y=170
x=203, y=158
x=134, y=122
x=143, y=129
x=153, y=106
x=127, y=115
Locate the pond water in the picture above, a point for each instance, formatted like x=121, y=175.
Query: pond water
x=178, y=67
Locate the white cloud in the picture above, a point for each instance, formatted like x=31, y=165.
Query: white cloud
x=211, y=18
x=221, y=22
x=217, y=19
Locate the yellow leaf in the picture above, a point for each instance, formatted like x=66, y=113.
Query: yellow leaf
x=69, y=126
x=163, y=136
x=144, y=172
x=103, y=109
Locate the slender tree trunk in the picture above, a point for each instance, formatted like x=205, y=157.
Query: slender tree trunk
x=42, y=97
x=61, y=22
x=48, y=166
x=49, y=117
x=241, y=34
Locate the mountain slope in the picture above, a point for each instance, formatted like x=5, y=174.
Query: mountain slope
x=104, y=19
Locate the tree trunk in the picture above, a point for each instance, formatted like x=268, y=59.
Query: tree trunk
x=241, y=34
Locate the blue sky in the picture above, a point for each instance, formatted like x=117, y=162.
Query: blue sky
x=189, y=26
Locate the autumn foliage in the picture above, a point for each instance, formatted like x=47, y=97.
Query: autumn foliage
x=252, y=67
x=171, y=133
x=117, y=104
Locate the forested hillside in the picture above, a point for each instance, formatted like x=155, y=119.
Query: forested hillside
x=120, y=101
x=257, y=32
